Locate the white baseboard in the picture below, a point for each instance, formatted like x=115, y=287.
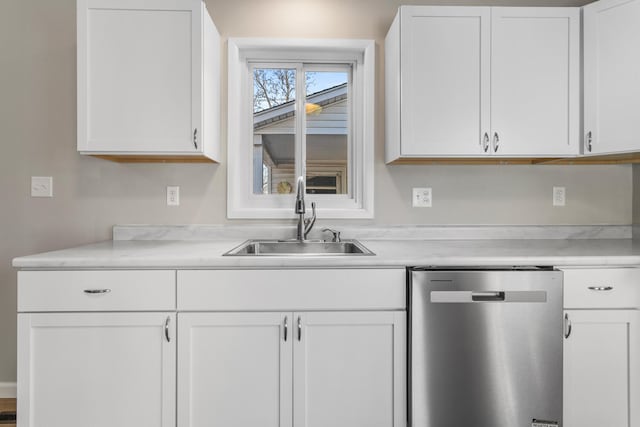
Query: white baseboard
x=7, y=390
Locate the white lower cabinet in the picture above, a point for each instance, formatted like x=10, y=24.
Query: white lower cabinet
x=214, y=348
x=234, y=369
x=602, y=347
x=349, y=369
x=96, y=370
x=601, y=369
x=307, y=369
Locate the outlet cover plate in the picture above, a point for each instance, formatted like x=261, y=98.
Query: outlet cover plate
x=422, y=198
x=173, y=195
x=559, y=196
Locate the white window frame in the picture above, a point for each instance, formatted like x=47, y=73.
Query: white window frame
x=241, y=202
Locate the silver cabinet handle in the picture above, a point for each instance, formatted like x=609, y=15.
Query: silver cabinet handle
x=166, y=329
x=601, y=288
x=286, y=327
x=485, y=142
x=195, y=138
x=589, y=141
x=299, y=329
x=567, y=326
x=496, y=142
x=97, y=291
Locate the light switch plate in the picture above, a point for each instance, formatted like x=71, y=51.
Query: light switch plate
x=422, y=198
x=41, y=186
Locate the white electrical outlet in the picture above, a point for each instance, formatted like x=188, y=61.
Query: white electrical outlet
x=41, y=186
x=559, y=196
x=173, y=196
x=421, y=198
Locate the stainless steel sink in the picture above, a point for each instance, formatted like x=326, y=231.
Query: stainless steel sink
x=297, y=248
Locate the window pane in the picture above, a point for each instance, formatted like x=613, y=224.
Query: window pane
x=327, y=131
x=274, y=127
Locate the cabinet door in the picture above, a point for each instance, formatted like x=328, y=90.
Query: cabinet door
x=611, y=76
x=98, y=370
x=139, y=75
x=535, y=78
x=444, y=80
x=234, y=369
x=601, y=369
x=349, y=369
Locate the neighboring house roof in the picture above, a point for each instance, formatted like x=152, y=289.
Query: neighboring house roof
x=285, y=111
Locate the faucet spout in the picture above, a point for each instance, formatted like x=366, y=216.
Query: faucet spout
x=300, y=209
x=304, y=225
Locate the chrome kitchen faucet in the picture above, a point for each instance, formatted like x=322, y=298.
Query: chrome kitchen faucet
x=304, y=225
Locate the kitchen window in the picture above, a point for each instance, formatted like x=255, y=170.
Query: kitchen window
x=300, y=108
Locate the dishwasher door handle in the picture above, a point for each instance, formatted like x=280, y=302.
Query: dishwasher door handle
x=487, y=296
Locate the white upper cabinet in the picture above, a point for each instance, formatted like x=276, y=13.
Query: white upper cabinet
x=481, y=81
x=611, y=76
x=535, y=84
x=444, y=70
x=148, y=79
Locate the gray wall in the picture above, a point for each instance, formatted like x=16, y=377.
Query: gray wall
x=37, y=132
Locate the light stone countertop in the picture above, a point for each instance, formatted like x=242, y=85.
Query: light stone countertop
x=202, y=254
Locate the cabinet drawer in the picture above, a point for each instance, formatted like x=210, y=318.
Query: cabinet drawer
x=602, y=288
x=239, y=290
x=96, y=290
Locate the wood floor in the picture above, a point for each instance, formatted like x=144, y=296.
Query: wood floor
x=7, y=405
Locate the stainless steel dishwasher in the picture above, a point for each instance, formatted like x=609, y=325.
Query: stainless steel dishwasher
x=485, y=347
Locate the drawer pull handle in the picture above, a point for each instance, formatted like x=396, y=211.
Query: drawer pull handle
x=97, y=291
x=601, y=288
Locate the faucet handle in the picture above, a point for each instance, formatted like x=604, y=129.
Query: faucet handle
x=336, y=234
x=309, y=222
x=313, y=216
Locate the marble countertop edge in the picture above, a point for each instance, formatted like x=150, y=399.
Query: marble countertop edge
x=201, y=254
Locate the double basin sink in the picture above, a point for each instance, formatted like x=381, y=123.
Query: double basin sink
x=298, y=248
